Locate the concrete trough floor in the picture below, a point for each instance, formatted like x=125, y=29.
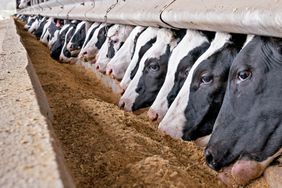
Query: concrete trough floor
x=30, y=156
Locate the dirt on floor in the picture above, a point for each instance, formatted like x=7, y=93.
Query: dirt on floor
x=106, y=147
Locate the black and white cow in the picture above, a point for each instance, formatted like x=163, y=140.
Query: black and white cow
x=116, y=37
x=65, y=56
x=23, y=18
x=38, y=32
x=49, y=30
x=247, y=134
x=77, y=40
x=144, y=42
x=89, y=52
x=119, y=63
x=54, y=37
x=151, y=72
x=44, y=38
x=34, y=26
x=193, y=112
x=193, y=44
x=30, y=21
x=57, y=46
x=90, y=33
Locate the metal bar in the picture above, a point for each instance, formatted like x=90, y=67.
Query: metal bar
x=260, y=17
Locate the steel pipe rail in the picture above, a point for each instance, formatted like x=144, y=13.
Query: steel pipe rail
x=260, y=18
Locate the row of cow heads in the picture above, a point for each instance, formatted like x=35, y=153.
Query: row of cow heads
x=217, y=89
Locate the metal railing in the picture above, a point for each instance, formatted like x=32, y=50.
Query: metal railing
x=258, y=17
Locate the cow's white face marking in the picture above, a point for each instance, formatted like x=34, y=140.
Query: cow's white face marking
x=147, y=35
x=164, y=37
x=63, y=58
x=116, y=35
x=54, y=39
x=45, y=33
x=34, y=26
x=82, y=24
x=191, y=40
x=121, y=60
x=174, y=120
x=88, y=34
x=26, y=26
x=89, y=51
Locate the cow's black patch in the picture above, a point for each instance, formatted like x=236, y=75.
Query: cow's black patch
x=135, y=41
x=141, y=52
x=39, y=31
x=30, y=22
x=151, y=80
x=111, y=50
x=78, y=38
x=207, y=89
x=102, y=35
x=58, y=45
x=91, y=35
x=183, y=69
x=66, y=52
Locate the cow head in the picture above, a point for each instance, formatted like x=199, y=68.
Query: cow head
x=29, y=23
x=91, y=49
x=248, y=128
x=150, y=75
x=119, y=63
x=39, y=30
x=182, y=58
x=57, y=46
x=77, y=40
x=143, y=44
x=34, y=26
x=116, y=37
x=65, y=56
x=193, y=112
x=45, y=37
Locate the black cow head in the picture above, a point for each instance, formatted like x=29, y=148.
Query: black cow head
x=39, y=30
x=69, y=34
x=249, y=123
x=207, y=89
x=78, y=40
x=151, y=80
x=56, y=48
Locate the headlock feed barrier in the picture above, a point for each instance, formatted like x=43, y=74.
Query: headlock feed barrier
x=260, y=17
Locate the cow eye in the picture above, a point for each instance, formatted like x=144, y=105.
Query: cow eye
x=206, y=79
x=154, y=67
x=244, y=75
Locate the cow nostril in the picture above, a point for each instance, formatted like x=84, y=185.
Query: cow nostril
x=153, y=116
x=122, y=91
x=121, y=104
x=110, y=71
x=210, y=160
x=84, y=53
x=97, y=67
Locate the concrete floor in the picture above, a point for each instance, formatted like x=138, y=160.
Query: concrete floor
x=29, y=154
